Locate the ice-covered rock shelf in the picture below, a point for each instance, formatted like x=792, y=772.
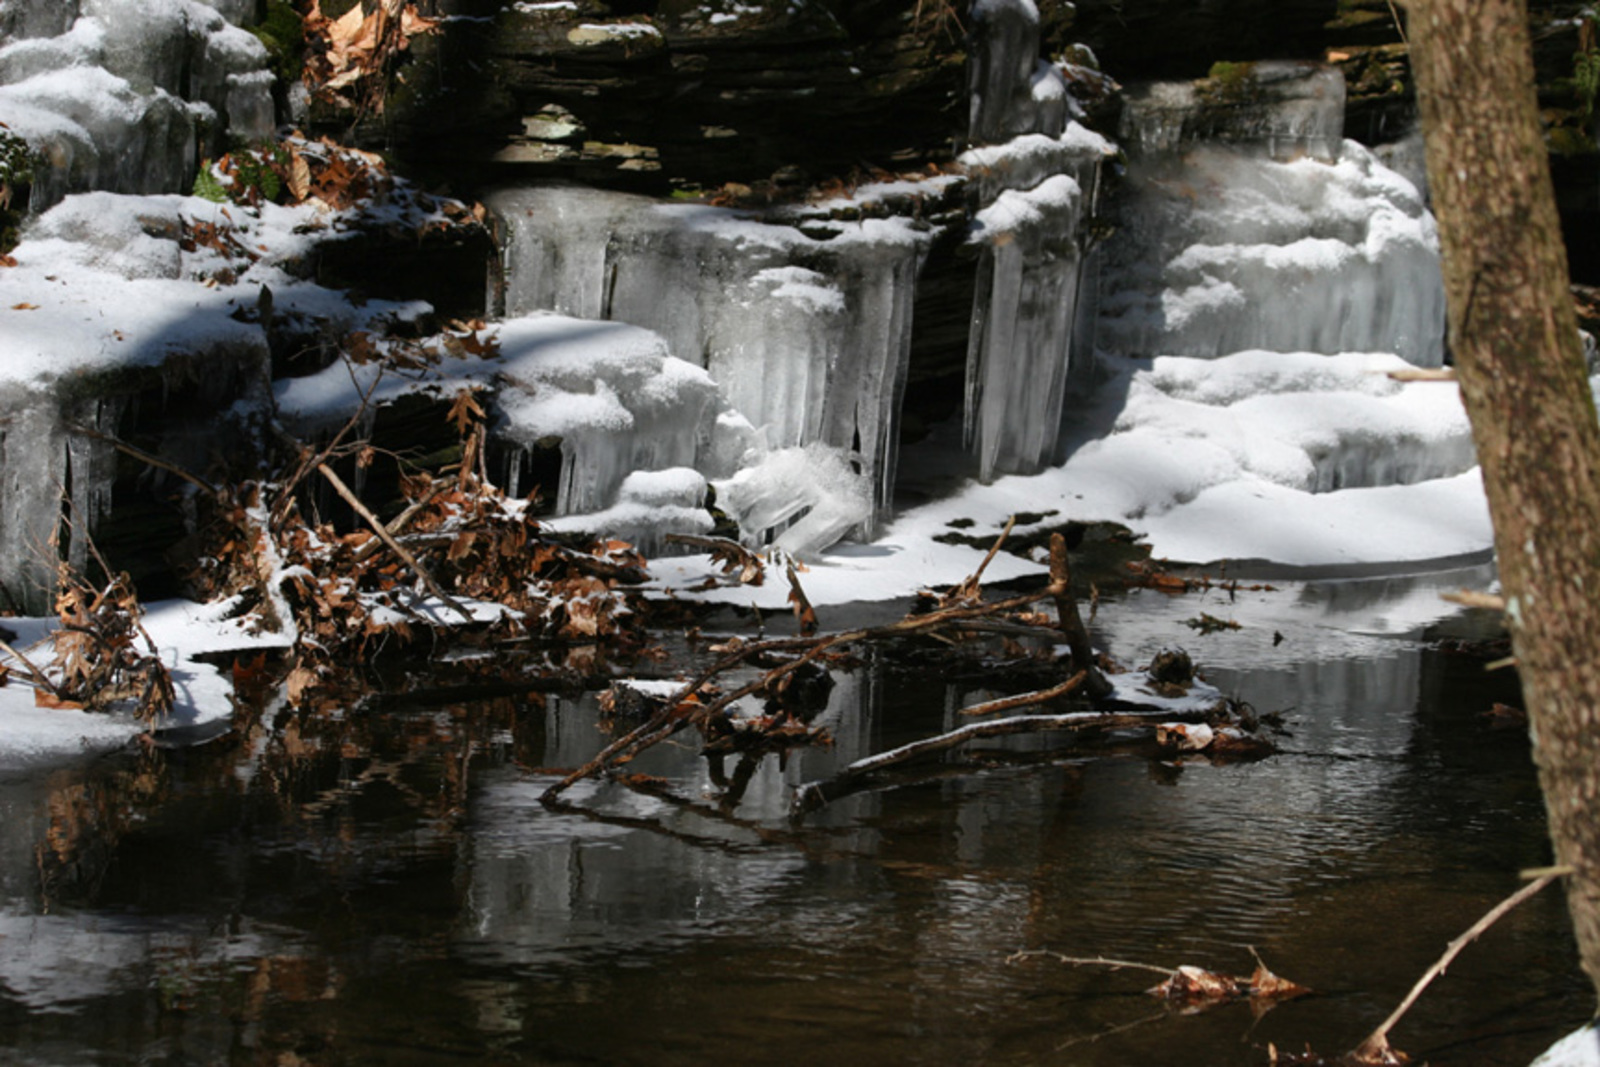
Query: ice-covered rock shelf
x=128, y=95
x=1229, y=342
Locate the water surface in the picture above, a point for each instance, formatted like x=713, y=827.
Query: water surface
x=385, y=887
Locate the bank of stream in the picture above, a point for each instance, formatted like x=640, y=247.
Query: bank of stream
x=383, y=885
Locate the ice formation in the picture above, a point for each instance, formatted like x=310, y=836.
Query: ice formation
x=128, y=95
x=1028, y=319
x=1280, y=109
x=1225, y=251
x=806, y=336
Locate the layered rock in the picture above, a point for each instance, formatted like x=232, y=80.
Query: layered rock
x=651, y=95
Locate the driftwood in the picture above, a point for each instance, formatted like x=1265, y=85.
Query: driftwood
x=1071, y=623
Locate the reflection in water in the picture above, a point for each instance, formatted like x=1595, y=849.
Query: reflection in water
x=386, y=888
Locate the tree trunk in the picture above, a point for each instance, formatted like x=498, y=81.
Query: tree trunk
x=1514, y=334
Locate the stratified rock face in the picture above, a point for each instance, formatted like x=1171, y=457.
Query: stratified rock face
x=708, y=92
x=1182, y=38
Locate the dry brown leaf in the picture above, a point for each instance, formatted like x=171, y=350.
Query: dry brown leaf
x=45, y=699
x=1197, y=987
x=299, y=176
x=1264, y=985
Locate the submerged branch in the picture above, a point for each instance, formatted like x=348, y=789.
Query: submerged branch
x=1376, y=1049
x=813, y=795
x=679, y=711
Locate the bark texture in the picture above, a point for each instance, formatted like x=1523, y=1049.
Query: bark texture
x=1513, y=331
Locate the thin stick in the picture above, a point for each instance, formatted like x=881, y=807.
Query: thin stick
x=1375, y=1049
x=1022, y=700
x=146, y=458
x=1091, y=961
x=38, y=676
x=1399, y=27
x=813, y=795
x=383, y=532
x=968, y=589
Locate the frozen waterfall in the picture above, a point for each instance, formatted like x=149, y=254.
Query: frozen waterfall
x=1247, y=223
x=1226, y=251
x=807, y=334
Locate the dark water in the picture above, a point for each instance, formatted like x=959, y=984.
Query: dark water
x=386, y=888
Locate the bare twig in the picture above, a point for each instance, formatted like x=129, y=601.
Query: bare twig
x=1090, y=961
x=1376, y=1049
x=309, y=460
x=1399, y=27
x=969, y=589
x=400, y=550
x=35, y=675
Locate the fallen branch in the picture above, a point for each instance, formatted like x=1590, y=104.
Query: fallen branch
x=1023, y=700
x=675, y=714
x=815, y=794
x=731, y=554
x=1376, y=1049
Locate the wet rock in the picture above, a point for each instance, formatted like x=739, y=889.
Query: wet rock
x=651, y=95
x=1171, y=667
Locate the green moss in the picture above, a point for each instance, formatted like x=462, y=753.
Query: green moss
x=1568, y=140
x=1230, y=83
x=17, y=161
x=283, y=32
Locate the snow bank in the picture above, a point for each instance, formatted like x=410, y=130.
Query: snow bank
x=183, y=631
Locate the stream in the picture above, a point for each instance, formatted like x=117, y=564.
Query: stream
x=385, y=887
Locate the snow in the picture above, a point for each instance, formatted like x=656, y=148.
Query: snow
x=1581, y=1048
x=183, y=631
x=126, y=96
x=1315, y=463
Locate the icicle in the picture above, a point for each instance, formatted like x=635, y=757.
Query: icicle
x=1024, y=320
x=808, y=338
